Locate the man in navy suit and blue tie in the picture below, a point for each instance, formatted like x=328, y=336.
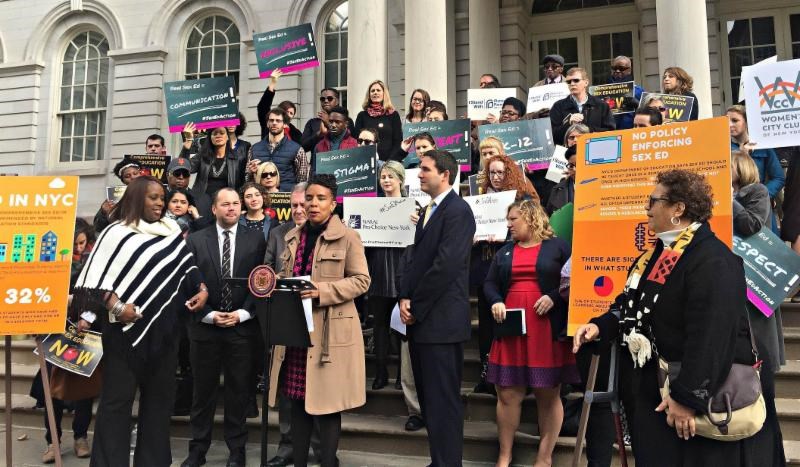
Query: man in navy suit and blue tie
x=434, y=304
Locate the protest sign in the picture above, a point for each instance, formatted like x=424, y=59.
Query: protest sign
x=280, y=206
x=475, y=182
x=415, y=191
x=450, y=135
x=772, y=97
x=558, y=165
x=614, y=95
x=770, y=269
x=543, y=97
x=207, y=102
x=381, y=222
x=290, y=49
x=485, y=101
x=772, y=59
x=77, y=352
x=679, y=108
x=614, y=178
x=525, y=141
x=354, y=170
x=152, y=164
x=114, y=193
x=37, y=224
x=489, y=211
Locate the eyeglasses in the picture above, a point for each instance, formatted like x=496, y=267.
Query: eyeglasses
x=508, y=113
x=573, y=81
x=571, y=166
x=620, y=69
x=327, y=98
x=269, y=174
x=417, y=100
x=653, y=200
x=494, y=174
x=368, y=142
x=552, y=66
x=660, y=109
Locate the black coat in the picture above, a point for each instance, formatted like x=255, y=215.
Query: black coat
x=390, y=133
x=262, y=110
x=236, y=168
x=699, y=320
x=437, y=276
x=311, y=137
x=596, y=115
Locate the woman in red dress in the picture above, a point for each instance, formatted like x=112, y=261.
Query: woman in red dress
x=526, y=274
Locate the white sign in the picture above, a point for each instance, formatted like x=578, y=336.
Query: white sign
x=381, y=222
x=395, y=322
x=558, y=165
x=489, y=211
x=772, y=59
x=543, y=97
x=773, y=103
x=482, y=102
x=415, y=191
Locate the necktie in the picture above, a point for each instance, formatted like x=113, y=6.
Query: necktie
x=429, y=212
x=226, y=303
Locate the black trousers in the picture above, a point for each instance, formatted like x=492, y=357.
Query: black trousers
x=228, y=351
x=600, y=431
x=112, y=428
x=485, y=325
x=437, y=373
x=330, y=430
x=381, y=310
x=80, y=422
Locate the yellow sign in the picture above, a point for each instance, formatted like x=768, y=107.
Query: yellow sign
x=614, y=177
x=37, y=224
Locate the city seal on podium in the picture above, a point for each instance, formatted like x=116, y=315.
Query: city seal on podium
x=261, y=281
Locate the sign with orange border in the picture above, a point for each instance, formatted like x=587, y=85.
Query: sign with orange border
x=37, y=225
x=614, y=178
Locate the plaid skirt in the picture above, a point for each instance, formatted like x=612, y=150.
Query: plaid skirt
x=294, y=373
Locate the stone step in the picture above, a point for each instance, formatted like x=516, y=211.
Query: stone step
x=790, y=314
x=791, y=341
x=787, y=381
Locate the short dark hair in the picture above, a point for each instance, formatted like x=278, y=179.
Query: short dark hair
x=241, y=126
x=571, y=151
x=655, y=116
x=223, y=189
x=688, y=188
x=155, y=136
x=130, y=208
x=324, y=180
x=183, y=191
x=495, y=81
x=120, y=166
x=334, y=91
x=443, y=160
x=82, y=226
x=340, y=110
x=426, y=136
x=438, y=106
x=373, y=131
x=286, y=105
x=279, y=111
x=518, y=105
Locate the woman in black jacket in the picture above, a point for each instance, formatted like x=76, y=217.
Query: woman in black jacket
x=684, y=301
x=215, y=163
x=380, y=113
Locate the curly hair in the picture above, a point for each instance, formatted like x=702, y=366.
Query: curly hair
x=688, y=188
x=260, y=188
x=513, y=179
x=533, y=214
x=685, y=82
x=325, y=180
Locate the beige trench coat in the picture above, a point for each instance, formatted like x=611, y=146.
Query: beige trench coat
x=335, y=370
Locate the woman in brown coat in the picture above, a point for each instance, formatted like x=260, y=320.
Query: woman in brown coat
x=330, y=376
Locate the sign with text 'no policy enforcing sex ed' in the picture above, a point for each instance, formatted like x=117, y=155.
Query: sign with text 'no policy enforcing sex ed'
x=614, y=177
x=289, y=49
x=207, y=102
x=37, y=224
x=450, y=135
x=354, y=170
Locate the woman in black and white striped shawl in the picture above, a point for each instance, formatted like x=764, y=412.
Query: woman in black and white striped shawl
x=143, y=273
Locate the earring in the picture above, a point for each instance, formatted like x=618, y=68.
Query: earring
x=675, y=220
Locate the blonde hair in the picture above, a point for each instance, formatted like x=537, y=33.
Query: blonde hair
x=533, y=214
x=387, y=99
x=264, y=167
x=490, y=142
x=739, y=109
x=577, y=69
x=745, y=168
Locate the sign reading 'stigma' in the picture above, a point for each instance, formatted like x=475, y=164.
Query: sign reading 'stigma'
x=208, y=103
x=290, y=49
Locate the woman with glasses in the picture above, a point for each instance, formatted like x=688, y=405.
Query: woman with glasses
x=513, y=109
x=420, y=100
x=677, y=81
x=379, y=113
x=268, y=177
x=573, y=132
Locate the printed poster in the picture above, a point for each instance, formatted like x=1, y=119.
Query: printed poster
x=154, y=165
x=614, y=178
x=484, y=101
x=543, y=97
x=528, y=142
x=114, y=193
x=381, y=222
x=280, y=206
x=207, y=102
x=678, y=108
x=354, y=170
x=450, y=135
x=78, y=352
x=489, y=211
x=558, y=165
x=290, y=49
x=37, y=224
x=614, y=95
x=772, y=96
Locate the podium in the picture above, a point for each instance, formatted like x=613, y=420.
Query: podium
x=290, y=329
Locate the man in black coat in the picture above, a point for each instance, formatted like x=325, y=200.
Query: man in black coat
x=579, y=107
x=434, y=304
x=223, y=334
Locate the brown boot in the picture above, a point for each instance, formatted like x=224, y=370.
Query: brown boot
x=82, y=450
x=49, y=455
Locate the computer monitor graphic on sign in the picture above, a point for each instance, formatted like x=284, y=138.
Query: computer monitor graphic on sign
x=604, y=150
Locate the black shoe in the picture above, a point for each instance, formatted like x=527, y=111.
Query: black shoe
x=484, y=388
x=398, y=384
x=278, y=461
x=236, y=461
x=252, y=408
x=193, y=462
x=414, y=423
x=380, y=381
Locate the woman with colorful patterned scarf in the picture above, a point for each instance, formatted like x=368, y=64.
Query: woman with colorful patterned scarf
x=684, y=301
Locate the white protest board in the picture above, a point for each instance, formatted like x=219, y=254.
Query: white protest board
x=558, y=165
x=773, y=103
x=482, y=102
x=543, y=97
x=489, y=211
x=772, y=59
x=381, y=222
x=414, y=190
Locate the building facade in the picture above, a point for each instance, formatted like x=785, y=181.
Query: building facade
x=81, y=80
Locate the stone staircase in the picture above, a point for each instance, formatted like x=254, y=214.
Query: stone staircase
x=378, y=426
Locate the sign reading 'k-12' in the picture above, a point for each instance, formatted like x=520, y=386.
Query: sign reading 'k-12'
x=208, y=103
x=290, y=49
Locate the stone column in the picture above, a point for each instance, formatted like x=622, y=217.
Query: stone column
x=683, y=42
x=430, y=54
x=367, y=52
x=484, y=40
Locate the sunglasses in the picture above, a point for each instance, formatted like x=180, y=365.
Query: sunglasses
x=573, y=81
x=269, y=174
x=327, y=98
x=653, y=200
x=368, y=142
x=552, y=67
x=180, y=174
x=660, y=109
x=620, y=69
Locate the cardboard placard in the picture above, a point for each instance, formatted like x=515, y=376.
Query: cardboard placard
x=207, y=102
x=290, y=49
x=450, y=135
x=614, y=95
x=543, y=97
x=354, y=170
x=381, y=222
x=772, y=96
x=528, y=142
x=154, y=165
x=77, y=352
x=280, y=206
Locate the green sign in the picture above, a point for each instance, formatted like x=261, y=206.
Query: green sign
x=208, y=103
x=290, y=49
x=528, y=142
x=450, y=135
x=354, y=170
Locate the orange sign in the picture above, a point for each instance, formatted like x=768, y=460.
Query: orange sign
x=614, y=178
x=37, y=225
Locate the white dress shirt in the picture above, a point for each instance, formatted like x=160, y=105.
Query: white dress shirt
x=244, y=315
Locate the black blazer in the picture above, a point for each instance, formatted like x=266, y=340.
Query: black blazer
x=596, y=115
x=236, y=167
x=436, y=278
x=553, y=254
x=390, y=133
x=248, y=254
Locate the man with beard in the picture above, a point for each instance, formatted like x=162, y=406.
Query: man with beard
x=277, y=148
x=335, y=133
x=312, y=133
